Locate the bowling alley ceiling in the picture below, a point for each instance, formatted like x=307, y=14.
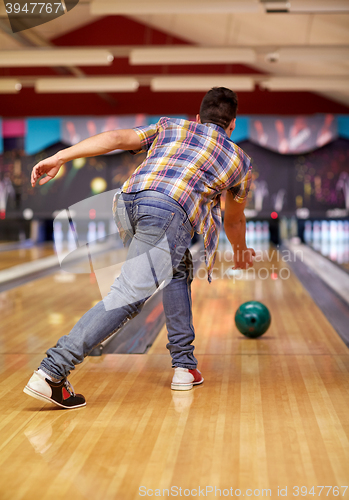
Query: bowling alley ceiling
x=282, y=57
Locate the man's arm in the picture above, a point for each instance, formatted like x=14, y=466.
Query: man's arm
x=235, y=229
x=93, y=146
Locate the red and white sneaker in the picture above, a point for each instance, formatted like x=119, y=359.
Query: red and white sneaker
x=184, y=379
x=60, y=393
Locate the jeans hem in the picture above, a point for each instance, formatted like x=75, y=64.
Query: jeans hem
x=51, y=374
x=182, y=365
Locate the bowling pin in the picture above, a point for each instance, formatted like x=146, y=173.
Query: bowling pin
x=247, y=238
x=112, y=230
x=346, y=231
x=308, y=232
x=223, y=240
x=71, y=239
x=317, y=235
x=220, y=241
x=325, y=247
x=248, y=242
x=333, y=250
x=293, y=228
x=101, y=231
x=284, y=232
x=346, y=241
x=258, y=235
x=57, y=231
x=325, y=230
x=58, y=236
x=92, y=233
x=266, y=231
x=251, y=232
x=333, y=231
x=340, y=252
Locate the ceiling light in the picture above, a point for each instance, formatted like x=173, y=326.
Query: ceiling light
x=55, y=57
x=9, y=86
x=313, y=54
x=192, y=55
x=276, y=6
x=272, y=57
x=139, y=7
x=91, y=84
x=201, y=83
x=309, y=84
x=306, y=6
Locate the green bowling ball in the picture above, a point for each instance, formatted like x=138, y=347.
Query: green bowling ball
x=252, y=319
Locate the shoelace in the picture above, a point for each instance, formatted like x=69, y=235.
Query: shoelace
x=69, y=387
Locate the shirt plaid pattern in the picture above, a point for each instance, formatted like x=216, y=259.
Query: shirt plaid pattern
x=193, y=164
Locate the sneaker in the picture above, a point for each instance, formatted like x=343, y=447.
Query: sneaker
x=184, y=379
x=60, y=393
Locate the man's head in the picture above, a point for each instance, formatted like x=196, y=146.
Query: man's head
x=219, y=106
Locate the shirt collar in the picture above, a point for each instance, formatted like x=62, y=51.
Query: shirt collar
x=217, y=128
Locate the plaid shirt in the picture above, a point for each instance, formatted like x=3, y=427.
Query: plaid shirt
x=192, y=163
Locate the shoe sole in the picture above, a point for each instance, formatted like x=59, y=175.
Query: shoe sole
x=30, y=392
x=185, y=387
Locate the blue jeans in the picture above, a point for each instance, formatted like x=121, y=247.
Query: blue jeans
x=158, y=256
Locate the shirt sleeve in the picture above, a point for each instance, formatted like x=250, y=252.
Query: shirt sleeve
x=147, y=136
x=240, y=191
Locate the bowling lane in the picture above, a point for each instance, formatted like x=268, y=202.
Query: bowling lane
x=271, y=412
x=39, y=312
x=35, y=315
x=298, y=326
x=12, y=258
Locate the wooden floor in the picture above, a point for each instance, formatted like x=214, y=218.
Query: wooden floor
x=12, y=258
x=272, y=412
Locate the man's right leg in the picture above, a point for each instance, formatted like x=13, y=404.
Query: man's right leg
x=124, y=301
x=179, y=323
x=49, y=383
x=93, y=328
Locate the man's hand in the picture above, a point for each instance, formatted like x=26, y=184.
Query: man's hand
x=50, y=166
x=243, y=259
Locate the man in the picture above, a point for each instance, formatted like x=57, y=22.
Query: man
x=172, y=194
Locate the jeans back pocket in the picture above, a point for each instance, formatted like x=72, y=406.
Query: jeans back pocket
x=152, y=223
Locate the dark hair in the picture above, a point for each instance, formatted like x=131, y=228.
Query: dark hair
x=219, y=106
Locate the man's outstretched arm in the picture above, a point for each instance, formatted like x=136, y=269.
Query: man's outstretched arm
x=235, y=229
x=93, y=146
